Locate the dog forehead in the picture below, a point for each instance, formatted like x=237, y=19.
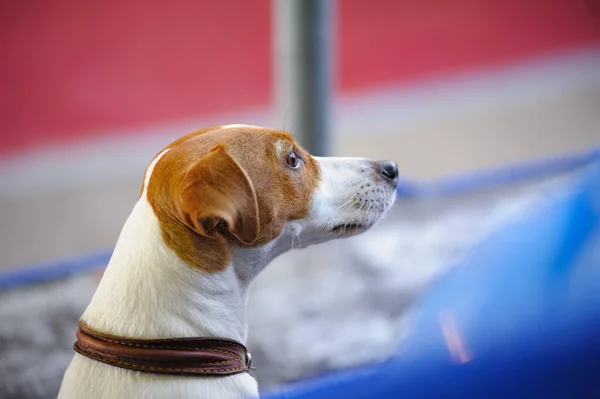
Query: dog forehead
x=255, y=149
x=239, y=139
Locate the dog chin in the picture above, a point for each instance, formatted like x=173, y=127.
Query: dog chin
x=355, y=227
x=350, y=229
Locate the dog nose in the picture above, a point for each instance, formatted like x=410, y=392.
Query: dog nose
x=389, y=170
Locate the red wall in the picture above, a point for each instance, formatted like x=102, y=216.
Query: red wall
x=71, y=69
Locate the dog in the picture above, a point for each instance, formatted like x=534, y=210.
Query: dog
x=216, y=206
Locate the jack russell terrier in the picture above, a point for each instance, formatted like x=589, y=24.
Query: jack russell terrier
x=216, y=206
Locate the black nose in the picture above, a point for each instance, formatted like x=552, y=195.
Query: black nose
x=389, y=171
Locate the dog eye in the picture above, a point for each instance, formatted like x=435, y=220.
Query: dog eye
x=293, y=161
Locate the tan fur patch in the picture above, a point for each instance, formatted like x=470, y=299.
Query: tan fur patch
x=282, y=193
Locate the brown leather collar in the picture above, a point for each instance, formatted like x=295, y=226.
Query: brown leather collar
x=180, y=356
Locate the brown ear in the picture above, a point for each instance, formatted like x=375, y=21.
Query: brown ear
x=216, y=189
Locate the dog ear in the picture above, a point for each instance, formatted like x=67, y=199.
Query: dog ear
x=217, y=190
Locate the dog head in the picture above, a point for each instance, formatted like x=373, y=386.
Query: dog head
x=240, y=186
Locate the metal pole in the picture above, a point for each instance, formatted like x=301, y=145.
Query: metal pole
x=303, y=39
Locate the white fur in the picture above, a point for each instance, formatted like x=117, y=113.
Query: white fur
x=233, y=125
x=148, y=292
x=282, y=148
x=349, y=192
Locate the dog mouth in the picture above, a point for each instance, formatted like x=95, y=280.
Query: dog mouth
x=349, y=229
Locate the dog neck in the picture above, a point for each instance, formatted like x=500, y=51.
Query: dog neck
x=148, y=292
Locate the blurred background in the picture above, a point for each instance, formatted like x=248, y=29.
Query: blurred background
x=90, y=91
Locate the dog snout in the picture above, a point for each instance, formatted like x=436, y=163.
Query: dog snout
x=389, y=171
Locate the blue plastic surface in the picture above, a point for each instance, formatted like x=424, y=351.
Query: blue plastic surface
x=39, y=273
x=519, y=319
